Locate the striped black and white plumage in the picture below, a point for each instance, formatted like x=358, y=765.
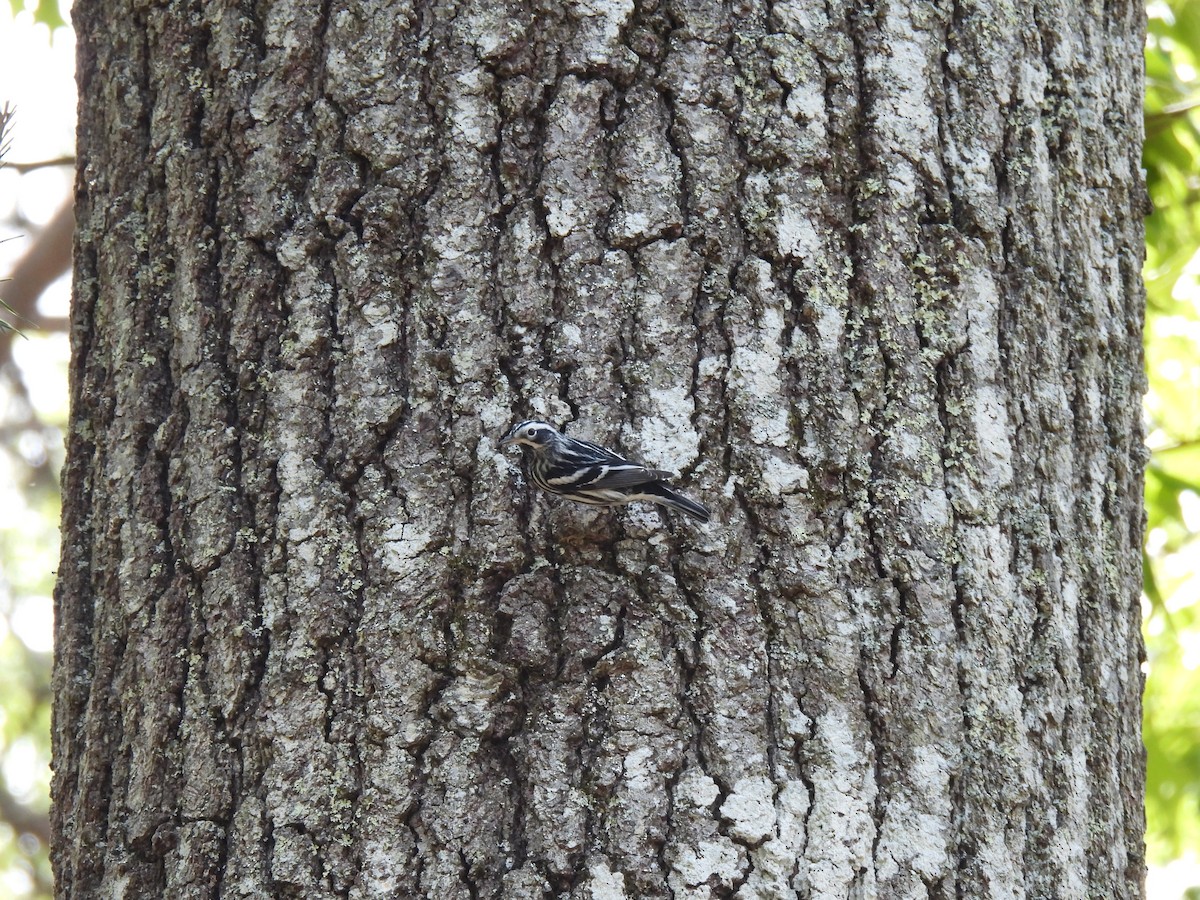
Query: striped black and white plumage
x=588, y=473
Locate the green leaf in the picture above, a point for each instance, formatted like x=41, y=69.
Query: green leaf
x=47, y=12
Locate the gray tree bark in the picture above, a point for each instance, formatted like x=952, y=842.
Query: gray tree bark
x=867, y=275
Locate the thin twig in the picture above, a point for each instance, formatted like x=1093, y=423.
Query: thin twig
x=41, y=164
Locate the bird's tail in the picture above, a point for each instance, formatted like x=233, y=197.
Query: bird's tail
x=673, y=499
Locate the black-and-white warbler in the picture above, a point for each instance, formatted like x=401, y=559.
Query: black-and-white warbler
x=588, y=473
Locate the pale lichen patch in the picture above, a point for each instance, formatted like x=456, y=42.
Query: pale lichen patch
x=604, y=883
x=915, y=839
x=992, y=428
x=698, y=865
x=796, y=236
x=781, y=477
x=667, y=439
x=750, y=809
x=600, y=28
x=403, y=545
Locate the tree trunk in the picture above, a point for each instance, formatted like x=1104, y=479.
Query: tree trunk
x=867, y=276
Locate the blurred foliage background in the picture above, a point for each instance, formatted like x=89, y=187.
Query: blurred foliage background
x=36, y=77
x=1172, y=573
x=33, y=414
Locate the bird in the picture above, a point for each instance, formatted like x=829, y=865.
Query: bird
x=591, y=474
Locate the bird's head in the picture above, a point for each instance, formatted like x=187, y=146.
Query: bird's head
x=538, y=435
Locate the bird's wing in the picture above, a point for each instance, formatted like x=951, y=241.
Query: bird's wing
x=623, y=475
x=593, y=474
x=582, y=465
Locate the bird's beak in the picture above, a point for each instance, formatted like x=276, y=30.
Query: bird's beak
x=505, y=441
